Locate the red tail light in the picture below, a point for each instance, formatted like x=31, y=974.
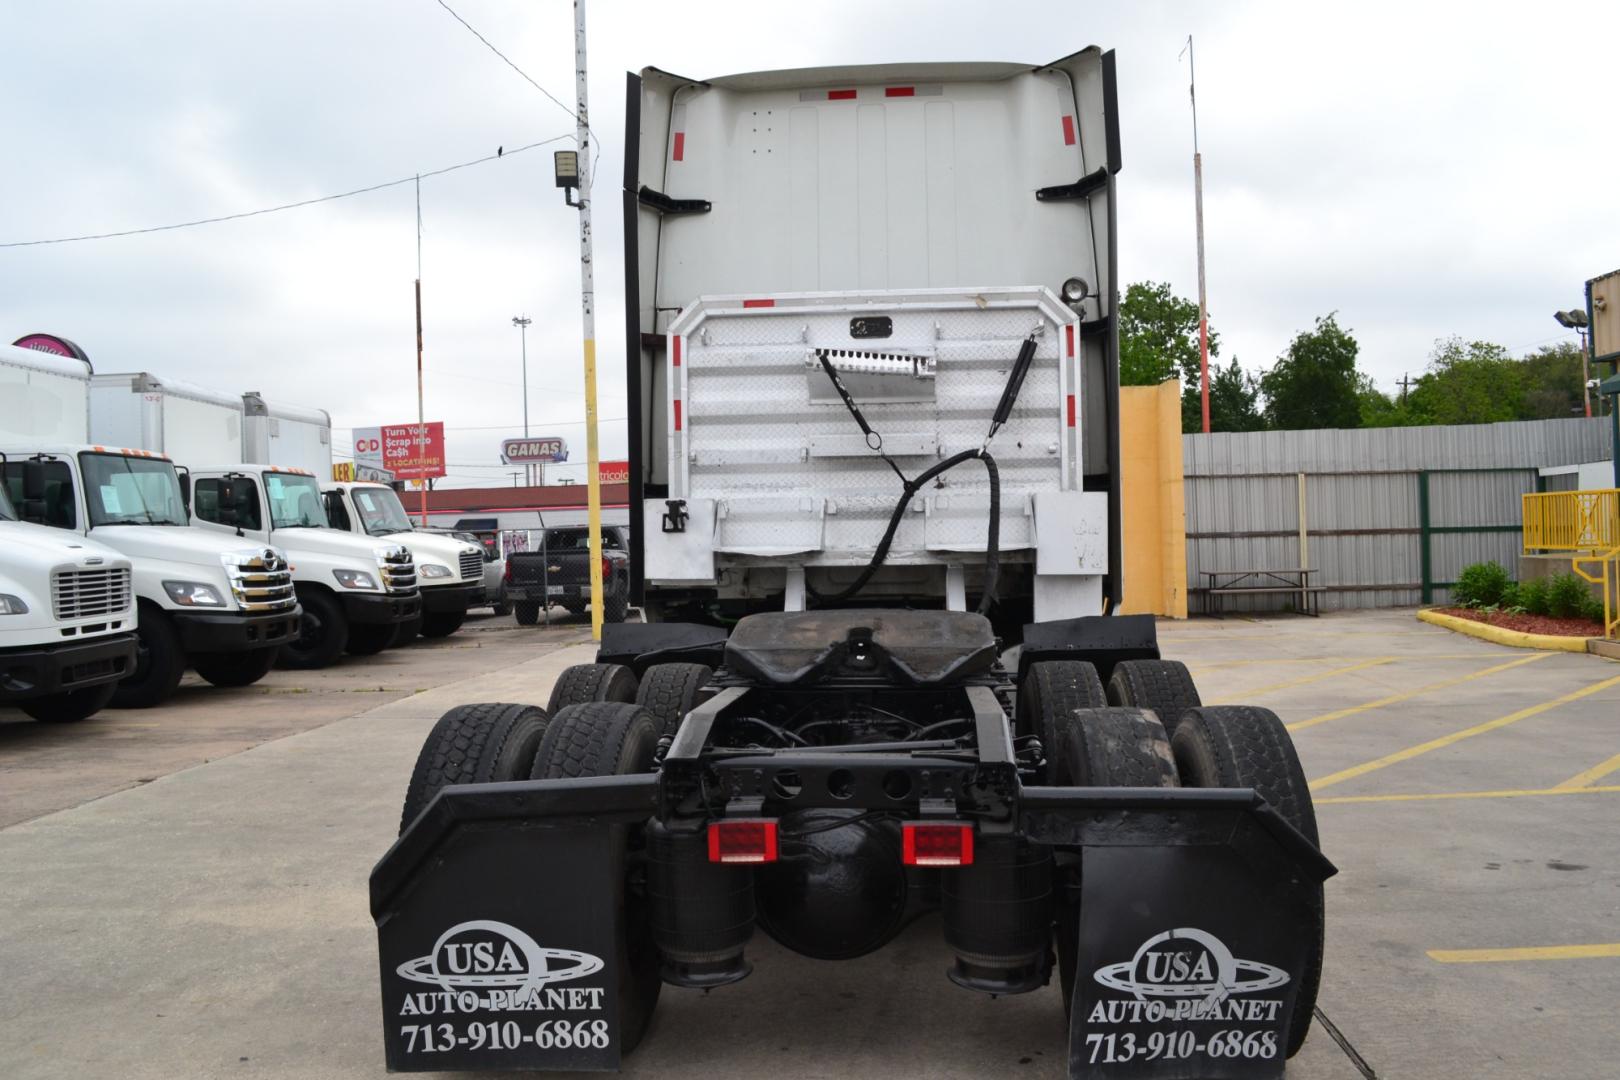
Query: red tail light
x=945, y=844
x=607, y=569
x=506, y=572
x=743, y=840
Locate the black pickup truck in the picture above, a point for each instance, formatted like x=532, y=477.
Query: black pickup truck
x=560, y=573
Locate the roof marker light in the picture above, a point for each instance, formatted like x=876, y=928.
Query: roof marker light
x=936, y=843
x=899, y=91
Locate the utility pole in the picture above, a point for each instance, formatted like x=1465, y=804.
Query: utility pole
x=582, y=143
x=1406, y=381
x=421, y=423
x=1198, y=203
x=522, y=323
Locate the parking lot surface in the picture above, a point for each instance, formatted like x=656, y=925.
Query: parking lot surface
x=185, y=887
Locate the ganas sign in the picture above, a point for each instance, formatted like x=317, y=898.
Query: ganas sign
x=541, y=450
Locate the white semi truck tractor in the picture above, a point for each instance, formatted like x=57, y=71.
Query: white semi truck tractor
x=354, y=592
x=872, y=345
x=67, y=619
x=219, y=604
x=450, y=572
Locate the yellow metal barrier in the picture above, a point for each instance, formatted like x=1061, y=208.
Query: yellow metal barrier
x=1572, y=521
x=1586, y=524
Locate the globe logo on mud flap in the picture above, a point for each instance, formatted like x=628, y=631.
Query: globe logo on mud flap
x=1189, y=963
x=482, y=953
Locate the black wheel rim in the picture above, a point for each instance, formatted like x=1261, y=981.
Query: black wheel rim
x=311, y=628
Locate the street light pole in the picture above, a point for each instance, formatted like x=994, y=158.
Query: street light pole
x=1198, y=205
x=582, y=135
x=522, y=323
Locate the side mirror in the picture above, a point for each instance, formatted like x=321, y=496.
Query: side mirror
x=185, y=488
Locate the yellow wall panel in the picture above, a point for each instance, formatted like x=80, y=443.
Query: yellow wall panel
x=1154, y=514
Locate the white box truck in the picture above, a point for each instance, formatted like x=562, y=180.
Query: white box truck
x=872, y=346
x=67, y=617
x=354, y=592
x=289, y=436
x=450, y=572
x=219, y=604
x=187, y=422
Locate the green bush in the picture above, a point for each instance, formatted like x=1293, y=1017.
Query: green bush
x=1511, y=601
x=1480, y=585
x=1533, y=596
x=1566, y=595
x=1592, y=608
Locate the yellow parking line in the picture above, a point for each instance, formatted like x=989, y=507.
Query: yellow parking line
x=1592, y=775
x=1300, y=725
x=1512, y=793
x=1302, y=680
x=1210, y=665
x=1458, y=736
x=1548, y=952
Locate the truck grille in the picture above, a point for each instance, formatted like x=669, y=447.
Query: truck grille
x=263, y=583
x=80, y=594
x=472, y=566
x=399, y=572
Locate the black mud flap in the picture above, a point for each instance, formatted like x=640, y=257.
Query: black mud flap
x=499, y=928
x=1197, y=923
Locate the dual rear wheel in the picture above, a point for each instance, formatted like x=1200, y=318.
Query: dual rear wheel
x=1156, y=733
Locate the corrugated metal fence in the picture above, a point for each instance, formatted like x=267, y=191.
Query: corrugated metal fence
x=1391, y=515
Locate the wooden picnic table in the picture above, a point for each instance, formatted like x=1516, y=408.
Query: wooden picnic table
x=1284, y=580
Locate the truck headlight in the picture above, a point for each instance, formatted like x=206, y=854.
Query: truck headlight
x=12, y=605
x=355, y=579
x=193, y=594
x=434, y=570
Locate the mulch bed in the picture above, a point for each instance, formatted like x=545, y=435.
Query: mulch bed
x=1529, y=624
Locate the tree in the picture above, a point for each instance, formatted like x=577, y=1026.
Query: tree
x=1552, y=382
x=1158, y=336
x=1315, y=383
x=1234, y=402
x=1473, y=382
x=1377, y=408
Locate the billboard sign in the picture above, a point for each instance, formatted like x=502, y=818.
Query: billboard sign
x=613, y=472
x=50, y=343
x=399, y=451
x=536, y=450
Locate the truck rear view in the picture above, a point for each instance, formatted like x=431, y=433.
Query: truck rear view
x=872, y=342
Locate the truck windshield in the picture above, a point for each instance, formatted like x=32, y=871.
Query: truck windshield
x=295, y=501
x=131, y=490
x=380, y=511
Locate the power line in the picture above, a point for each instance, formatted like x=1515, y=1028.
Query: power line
x=413, y=178
x=505, y=59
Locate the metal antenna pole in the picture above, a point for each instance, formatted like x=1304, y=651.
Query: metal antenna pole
x=522, y=323
x=582, y=137
x=1198, y=202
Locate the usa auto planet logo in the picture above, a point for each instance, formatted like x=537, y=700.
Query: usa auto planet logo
x=1191, y=967
x=483, y=954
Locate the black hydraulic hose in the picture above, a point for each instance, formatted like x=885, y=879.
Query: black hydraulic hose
x=992, y=554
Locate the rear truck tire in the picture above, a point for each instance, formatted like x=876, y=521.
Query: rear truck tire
x=474, y=744
x=1051, y=691
x=235, y=668
x=1107, y=747
x=613, y=738
x=323, y=632
x=159, y=662
x=69, y=706
x=1247, y=746
x=586, y=683
x=1165, y=686
x=615, y=607
x=369, y=639
x=669, y=691
x=501, y=606
x=575, y=607
x=527, y=612
x=406, y=632
x=438, y=624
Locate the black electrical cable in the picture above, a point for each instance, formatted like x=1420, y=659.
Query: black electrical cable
x=992, y=552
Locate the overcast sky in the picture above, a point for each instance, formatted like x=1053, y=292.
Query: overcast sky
x=1423, y=169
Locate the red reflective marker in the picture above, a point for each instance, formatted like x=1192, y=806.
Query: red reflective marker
x=743, y=840
x=927, y=844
